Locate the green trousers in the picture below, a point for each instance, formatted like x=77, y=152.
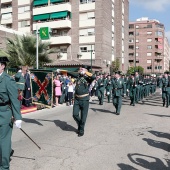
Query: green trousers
x=5, y=145
x=80, y=111
x=166, y=97
x=132, y=96
x=117, y=102
x=101, y=96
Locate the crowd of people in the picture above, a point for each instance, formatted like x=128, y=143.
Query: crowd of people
x=135, y=86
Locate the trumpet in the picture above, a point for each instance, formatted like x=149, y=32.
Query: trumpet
x=65, y=72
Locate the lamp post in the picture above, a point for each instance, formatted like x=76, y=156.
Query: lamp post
x=91, y=57
x=37, y=32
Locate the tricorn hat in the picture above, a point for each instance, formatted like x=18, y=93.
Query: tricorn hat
x=3, y=59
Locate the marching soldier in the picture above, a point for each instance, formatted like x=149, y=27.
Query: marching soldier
x=108, y=88
x=118, y=90
x=81, y=102
x=165, y=85
x=131, y=88
x=101, y=87
x=9, y=107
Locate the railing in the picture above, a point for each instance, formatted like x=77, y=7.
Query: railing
x=87, y=2
x=51, y=20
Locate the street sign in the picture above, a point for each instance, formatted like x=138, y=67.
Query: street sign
x=45, y=33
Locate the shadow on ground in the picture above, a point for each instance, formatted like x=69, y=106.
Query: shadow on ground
x=146, y=162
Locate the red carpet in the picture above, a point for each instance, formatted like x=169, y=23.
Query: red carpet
x=25, y=110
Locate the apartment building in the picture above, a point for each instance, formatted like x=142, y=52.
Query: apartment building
x=92, y=31
x=148, y=46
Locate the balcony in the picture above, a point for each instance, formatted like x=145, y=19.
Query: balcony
x=59, y=40
x=25, y=29
x=5, y=1
x=6, y=21
x=6, y=10
x=25, y=15
x=53, y=24
x=87, y=39
x=87, y=23
x=87, y=7
x=52, y=8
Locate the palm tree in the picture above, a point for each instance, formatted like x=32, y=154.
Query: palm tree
x=21, y=51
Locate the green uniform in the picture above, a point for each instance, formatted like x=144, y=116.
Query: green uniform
x=131, y=86
x=108, y=89
x=20, y=81
x=81, y=101
x=118, y=90
x=165, y=85
x=101, y=87
x=8, y=94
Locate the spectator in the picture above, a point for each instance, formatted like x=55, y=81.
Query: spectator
x=70, y=93
x=57, y=84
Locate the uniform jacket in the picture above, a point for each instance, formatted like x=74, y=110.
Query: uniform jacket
x=8, y=93
x=165, y=84
x=118, y=87
x=20, y=80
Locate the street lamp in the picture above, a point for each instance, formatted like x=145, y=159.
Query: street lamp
x=91, y=58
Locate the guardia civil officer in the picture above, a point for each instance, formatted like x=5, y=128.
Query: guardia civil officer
x=81, y=102
x=118, y=90
x=9, y=107
x=165, y=85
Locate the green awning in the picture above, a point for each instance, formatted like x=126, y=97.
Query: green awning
x=53, y=1
x=59, y=15
x=40, y=2
x=41, y=17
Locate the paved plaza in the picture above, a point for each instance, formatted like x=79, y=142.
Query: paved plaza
x=137, y=139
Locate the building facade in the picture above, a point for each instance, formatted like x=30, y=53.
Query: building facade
x=148, y=46
x=94, y=31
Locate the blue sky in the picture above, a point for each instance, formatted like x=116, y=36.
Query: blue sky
x=153, y=9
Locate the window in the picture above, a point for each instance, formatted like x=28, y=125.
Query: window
x=149, y=47
x=83, y=49
x=23, y=9
x=87, y=32
x=86, y=1
x=137, y=33
x=149, y=40
x=63, y=49
x=149, y=67
x=23, y=24
x=137, y=26
x=90, y=15
x=7, y=16
x=131, y=33
x=149, y=61
x=159, y=26
x=131, y=47
x=149, y=54
x=137, y=54
x=159, y=33
x=137, y=47
x=137, y=41
x=131, y=26
x=158, y=67
x=131, y=54
x=149, y=26
x=131, y=41
x=137, y=61
x=149, y=33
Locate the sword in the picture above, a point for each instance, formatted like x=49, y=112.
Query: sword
x=29, y=137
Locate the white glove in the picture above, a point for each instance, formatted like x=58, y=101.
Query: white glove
x=127, y=90
x=160, y=89
x=18, y=123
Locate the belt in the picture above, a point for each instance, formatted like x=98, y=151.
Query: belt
x=4, y=104
x=80, y=96
x=19, y=83
x=118, y=88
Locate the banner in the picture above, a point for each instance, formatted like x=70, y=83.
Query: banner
x=42, y=87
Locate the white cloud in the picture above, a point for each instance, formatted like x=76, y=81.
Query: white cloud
x=167, y=34
x=154, y=5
